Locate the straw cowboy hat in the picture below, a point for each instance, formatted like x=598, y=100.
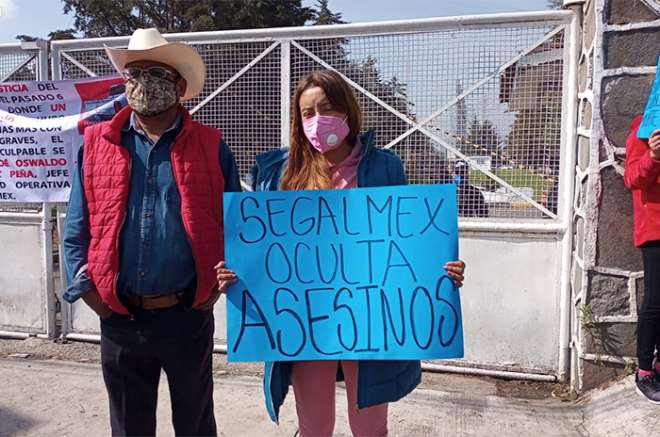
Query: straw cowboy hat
x=149, y=45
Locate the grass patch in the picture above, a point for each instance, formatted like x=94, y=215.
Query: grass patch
x=514, y=176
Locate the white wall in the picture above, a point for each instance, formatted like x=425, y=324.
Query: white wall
x=510, y=300
x=84, y=321
x=22, y=279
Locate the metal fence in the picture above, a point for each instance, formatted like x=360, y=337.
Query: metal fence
x=487, y=98
x=27, y=280
x=488, y=94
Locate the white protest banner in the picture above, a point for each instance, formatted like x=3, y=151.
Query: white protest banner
x=41, y=130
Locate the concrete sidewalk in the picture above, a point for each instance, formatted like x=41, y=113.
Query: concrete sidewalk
x=59, y=398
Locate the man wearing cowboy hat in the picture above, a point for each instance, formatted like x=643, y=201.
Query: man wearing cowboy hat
x=144, y=233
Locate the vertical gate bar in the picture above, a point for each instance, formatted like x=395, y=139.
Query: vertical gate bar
x=285, y=91
x=65, y=307
x=55, y=66
x=47, y=258
x=47, y=225
x=42, y=60
x=567, y=185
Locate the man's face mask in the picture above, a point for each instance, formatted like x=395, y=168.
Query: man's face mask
x=151, y=91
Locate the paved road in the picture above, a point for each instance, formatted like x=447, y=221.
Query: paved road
x=59, y=398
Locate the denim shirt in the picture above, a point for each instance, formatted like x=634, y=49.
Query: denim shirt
x=155, y=254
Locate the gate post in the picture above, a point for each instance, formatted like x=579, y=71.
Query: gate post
x=567, y=189
x=285, y=89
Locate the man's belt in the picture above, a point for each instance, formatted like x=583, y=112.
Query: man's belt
x=154, y=302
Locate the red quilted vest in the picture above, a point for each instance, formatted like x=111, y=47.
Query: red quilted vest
x=106, y=182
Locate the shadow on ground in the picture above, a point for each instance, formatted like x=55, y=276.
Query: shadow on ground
x=13, y=423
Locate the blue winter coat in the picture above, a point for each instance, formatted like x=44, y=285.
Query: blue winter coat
x=379, y=381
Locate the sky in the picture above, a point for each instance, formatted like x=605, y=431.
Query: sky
x=39, y=17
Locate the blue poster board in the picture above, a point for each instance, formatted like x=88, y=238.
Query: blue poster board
x=343, y=274
x=651, y=120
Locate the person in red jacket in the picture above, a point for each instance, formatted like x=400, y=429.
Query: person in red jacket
x=642, y=177
x=144, y=234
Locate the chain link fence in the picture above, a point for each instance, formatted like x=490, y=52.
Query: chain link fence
x=26, y=229
x=478, y=104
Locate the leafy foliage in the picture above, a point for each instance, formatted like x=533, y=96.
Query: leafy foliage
x=482, y=138
x=323, y=14
x=101, y=18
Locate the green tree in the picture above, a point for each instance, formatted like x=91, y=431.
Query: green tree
x=26, y=38
x=555, y=4
x=28, y=72
x=62, y=34
x=460, y=117
x=482, y=138
x=52, y=36
x=101, y=18
x=323, y=14
x=535, y=137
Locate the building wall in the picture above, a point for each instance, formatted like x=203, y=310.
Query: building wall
x=619, y=51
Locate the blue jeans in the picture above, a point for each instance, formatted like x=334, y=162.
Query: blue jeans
x=648, y=321
x=177, y=340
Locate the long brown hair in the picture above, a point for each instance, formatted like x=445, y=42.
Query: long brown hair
x=307, y=169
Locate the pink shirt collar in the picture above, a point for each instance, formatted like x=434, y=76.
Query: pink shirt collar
x=344, y=174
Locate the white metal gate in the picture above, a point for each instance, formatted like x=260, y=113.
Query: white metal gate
x=495, y=91
x=27, y=301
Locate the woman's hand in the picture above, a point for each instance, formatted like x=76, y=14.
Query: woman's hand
x=225, y=277
x=654, y=144
x=456, y=271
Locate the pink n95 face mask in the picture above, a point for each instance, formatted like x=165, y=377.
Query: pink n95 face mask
x=325, y=132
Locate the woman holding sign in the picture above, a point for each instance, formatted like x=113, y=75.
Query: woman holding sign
x=328, y=152
x=642, y=177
